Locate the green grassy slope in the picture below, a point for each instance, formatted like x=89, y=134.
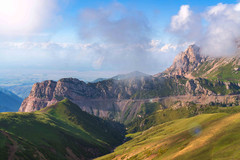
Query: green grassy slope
x=222, y=70
x=206, y=136
x=61, y=131
x=155, y=115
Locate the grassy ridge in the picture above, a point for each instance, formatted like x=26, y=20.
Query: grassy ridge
x=152, y=114
x=60, y=131
x=206, y=136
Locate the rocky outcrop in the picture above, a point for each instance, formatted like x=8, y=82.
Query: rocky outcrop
x=195, y=88
x=185, y=62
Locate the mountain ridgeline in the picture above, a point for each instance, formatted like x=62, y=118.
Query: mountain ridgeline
x=189, y=110
x=108, y=98
x=120, y=98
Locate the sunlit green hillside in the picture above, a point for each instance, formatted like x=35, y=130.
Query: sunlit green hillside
x=206, y=136
x=61, y=131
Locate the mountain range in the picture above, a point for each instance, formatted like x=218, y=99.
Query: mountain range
x=189, y=111
x=192, y=77
x=9, y=102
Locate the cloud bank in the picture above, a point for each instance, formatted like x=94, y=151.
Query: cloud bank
x=216, y=30
x=125, y=35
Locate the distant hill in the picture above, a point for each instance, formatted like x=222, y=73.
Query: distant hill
x=21, y=90
x=135, y=74
x=99, y=80
x=9, y=102
x=60, y=131
x=131, y=75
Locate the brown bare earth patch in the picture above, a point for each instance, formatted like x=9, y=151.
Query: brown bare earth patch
x=71, y=155
x=40, y=155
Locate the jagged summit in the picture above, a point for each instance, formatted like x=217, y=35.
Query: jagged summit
x=192, y=64
x=186, y=62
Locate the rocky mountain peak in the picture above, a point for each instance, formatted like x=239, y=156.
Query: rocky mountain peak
x=192, y=54
x=185, y=62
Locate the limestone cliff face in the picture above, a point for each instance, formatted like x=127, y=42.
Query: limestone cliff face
x=40, y=95
x=49, y=92
x=109, y=98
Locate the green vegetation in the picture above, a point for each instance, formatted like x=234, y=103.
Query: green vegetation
x=223, y=72
x=206, y=136
x=216, y=87
x=158, y=116
x=3, y=146
x=58, y=132
x=64, y=131
x=219, y=87
x=162, y=88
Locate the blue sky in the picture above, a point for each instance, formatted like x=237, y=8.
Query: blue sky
x=108, y=36
x=159, y=13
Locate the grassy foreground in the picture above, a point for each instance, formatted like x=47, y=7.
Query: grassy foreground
x=206, y=136
x=61, y=131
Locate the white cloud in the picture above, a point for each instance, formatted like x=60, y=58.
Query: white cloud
x=21, y=17
x=217, y=35
x=222, y=30
x=88, y=55
x=182, y=19
x=121, y=35
x=98, y=63
x=159, y=47
x=44, y=45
